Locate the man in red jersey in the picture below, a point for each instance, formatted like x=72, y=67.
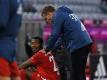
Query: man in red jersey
x=46, y=67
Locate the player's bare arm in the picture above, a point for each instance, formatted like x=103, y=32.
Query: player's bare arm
x=25, y=64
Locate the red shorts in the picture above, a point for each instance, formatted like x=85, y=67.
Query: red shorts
x=8, y=69
x=23, y=74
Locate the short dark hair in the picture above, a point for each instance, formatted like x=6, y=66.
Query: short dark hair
x=38, y=38
x=47, y=9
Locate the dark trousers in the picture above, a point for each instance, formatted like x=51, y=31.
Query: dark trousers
x=78, y=63
x=62, y=58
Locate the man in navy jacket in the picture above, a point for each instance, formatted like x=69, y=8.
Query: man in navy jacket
x=75, y=38
x=10, y=22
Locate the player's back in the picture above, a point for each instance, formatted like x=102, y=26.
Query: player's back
x=46, y=65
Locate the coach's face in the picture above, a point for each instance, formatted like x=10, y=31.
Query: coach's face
x=48, y=17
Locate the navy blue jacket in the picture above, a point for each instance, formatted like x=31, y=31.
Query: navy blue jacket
x=72, y=32
x=10, y=21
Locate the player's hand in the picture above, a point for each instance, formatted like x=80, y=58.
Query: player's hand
x=31, y=69
x=20, y=67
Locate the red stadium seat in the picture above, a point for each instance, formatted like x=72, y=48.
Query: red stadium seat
x=88, y=22
x=104, y=23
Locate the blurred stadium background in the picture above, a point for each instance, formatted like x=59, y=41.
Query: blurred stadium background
x=93, y=13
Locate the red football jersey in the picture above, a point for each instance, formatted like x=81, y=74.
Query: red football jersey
x=47, y=68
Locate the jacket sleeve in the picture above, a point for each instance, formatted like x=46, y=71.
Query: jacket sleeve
x=57, y=44
x=56, y=31
x=4, y=14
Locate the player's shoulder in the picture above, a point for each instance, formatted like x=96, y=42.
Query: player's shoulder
x=41, y=53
